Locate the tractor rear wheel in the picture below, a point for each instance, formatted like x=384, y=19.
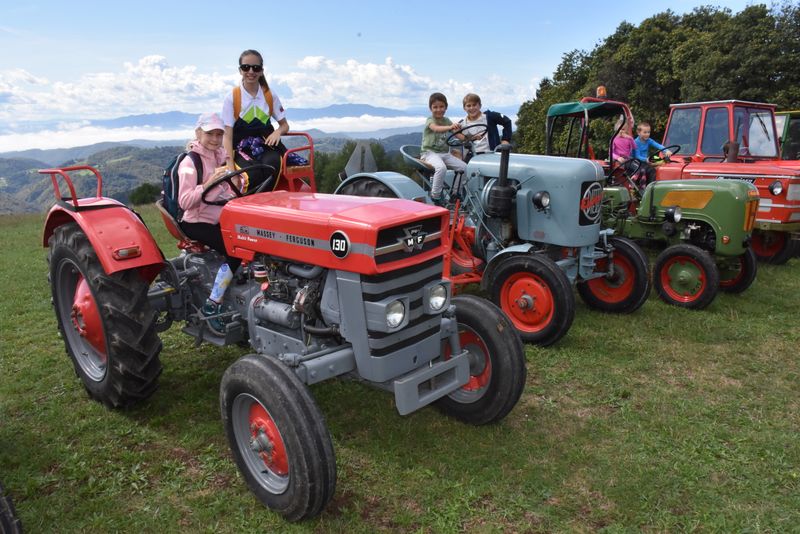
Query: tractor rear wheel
x=106, y=322
x=772, y=247
x=366, y=187
x=535, y=295
x=497, y=363
x=627, y=286
x=9, y=522
x=737, y=274
x=686, y=276
x=278, y=437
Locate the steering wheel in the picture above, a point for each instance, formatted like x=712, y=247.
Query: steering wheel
x=455, y=142
x=674, y=149
x=228, y=178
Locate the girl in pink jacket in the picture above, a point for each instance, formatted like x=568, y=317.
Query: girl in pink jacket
x=200, y=220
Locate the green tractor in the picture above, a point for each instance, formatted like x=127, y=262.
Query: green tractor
x=706, y=225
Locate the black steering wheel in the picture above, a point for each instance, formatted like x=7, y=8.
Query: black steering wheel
x=455, y=142
x=228, y=178
x=674, y=149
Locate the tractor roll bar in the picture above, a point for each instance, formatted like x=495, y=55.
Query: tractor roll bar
x=63, y=172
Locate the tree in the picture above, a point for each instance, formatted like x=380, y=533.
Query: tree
x=146, y=193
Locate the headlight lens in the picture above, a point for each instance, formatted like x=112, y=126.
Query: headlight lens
x=438, y=298
x=776, y=188
x=395, y=313
x=673, y=214
x=541, y=200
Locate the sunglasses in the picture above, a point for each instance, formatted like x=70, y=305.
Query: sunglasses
x=246, y=68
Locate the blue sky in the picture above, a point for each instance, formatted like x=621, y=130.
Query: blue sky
x=72, y=61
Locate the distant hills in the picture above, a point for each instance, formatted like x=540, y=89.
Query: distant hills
x=124, y=167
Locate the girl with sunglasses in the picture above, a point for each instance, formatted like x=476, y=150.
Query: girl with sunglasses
x=249, y=135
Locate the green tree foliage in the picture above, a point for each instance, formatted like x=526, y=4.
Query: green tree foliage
x=708, y=54
x=146, y=193
x=327, y=166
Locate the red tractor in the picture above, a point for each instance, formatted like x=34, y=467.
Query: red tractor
x=330, y=286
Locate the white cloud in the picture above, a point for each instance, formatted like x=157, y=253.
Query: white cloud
x=153, y=85
x=72, y=135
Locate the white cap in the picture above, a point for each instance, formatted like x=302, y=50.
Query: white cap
x=210, y=121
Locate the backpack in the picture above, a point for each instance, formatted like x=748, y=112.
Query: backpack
x=170, y=182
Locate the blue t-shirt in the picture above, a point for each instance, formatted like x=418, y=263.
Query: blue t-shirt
x=640, y=152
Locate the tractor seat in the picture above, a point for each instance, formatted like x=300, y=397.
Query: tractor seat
x=184, y=241
x=411, y=154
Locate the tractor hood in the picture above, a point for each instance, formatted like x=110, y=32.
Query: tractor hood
x=364, y=235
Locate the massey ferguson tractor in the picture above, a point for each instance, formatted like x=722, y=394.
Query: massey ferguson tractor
x=706, y=224
x=526, y=228
x=330, y=286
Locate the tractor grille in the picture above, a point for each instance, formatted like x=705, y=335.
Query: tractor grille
x=400, y=242
x=750, y=214
x=407, y=282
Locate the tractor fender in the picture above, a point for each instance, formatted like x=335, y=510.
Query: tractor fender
x=401, y=185
x=514, y=250
x=117, y=234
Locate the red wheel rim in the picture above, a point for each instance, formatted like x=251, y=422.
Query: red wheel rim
x=263, y=427
x=620, y=286
x=683, y=279
x=768, y=244
x=527, y=301
x=86, y=318
x=739, y=274
x=480, y=365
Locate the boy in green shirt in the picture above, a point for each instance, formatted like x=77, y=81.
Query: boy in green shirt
x=434, y=149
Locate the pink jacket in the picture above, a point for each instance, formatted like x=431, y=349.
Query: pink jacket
x=196, y=210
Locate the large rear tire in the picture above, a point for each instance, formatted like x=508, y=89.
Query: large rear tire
x=737, y=274
x=278, y=437
x=535, y=295
x=626, y=289
x=497, y=363
x=106, y=322
x=686, y=276
x=772, y=247
x=9, y=522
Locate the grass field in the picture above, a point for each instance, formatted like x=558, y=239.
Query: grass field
x=662, y=421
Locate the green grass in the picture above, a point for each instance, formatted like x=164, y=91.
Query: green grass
x=665, y=420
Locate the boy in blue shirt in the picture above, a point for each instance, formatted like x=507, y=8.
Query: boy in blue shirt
x=643, y=145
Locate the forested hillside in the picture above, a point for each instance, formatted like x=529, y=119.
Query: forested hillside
x=708, y=54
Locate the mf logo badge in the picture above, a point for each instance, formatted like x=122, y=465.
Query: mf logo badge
x=340, y=244
x=591, y=202
x=414, y=238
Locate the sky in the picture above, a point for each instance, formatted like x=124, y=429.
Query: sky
x=64, y=63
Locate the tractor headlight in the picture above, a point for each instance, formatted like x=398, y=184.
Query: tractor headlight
x=673, y=214
x=776, y=188
x=541, y=200
x=438, y=298
x=395, y=313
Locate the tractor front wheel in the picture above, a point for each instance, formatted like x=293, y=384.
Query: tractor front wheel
x=626, y=285
x=737, y=274
x=772, y=247
x=278, y=437
x=497, y=363
x=686, y=276
x=106, y=322
x=535, y=295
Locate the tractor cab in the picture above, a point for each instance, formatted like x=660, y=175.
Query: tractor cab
x=729, y=130
x=585, y=129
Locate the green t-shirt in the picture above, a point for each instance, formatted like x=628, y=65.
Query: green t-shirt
x=435, y=141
